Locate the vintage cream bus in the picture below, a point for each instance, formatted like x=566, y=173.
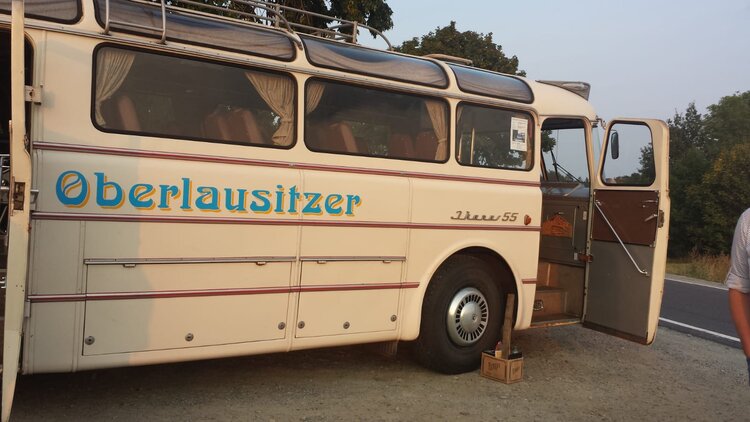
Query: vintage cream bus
x=184, y=185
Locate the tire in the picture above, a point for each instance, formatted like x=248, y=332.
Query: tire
x=462, y=287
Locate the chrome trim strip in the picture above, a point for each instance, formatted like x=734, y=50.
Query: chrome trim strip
x=352, y=258
x=78, y=297
x=222, y=260
x=64, y=216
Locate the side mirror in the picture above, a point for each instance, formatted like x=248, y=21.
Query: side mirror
x=614, y=144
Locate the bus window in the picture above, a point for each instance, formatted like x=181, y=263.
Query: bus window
x=630, y=160
x=564, y=151
x=491, y=137
x=354, y=120
x=167, y=96
x=61, y=11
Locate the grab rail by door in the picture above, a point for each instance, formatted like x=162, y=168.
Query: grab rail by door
x=598, y=204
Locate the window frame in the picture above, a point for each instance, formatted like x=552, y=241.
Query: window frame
x=532, y=136
x=461, y=88
x=373, y=74
x=72, y=21
x=92, y=108
x=605, y=154
x=132, y=31
x=590, y=166
x=381, y=89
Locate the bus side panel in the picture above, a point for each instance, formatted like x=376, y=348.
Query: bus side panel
x=438, y=202
x=137, y=292
x=361, y=293
x=54, y=332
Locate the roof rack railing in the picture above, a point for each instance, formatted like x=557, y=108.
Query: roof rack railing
x=271, y=14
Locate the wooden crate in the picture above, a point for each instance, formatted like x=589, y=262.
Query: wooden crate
x=503, y=370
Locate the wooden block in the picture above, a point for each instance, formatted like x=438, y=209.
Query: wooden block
x=508, y=323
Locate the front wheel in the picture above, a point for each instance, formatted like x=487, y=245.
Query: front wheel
x=462, y=315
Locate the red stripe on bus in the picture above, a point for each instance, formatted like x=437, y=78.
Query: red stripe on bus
x=269, y=221
x=53, y=146
x=214, y=292
x=528, y=281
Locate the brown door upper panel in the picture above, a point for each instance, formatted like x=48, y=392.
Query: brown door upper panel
x=633, y=214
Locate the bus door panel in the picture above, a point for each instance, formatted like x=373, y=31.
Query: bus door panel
x=352, y=261
x=18, y=205
x=629, y=231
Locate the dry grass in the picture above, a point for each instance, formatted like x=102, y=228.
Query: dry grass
x=705, y=267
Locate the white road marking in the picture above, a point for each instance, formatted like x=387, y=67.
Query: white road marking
x=702, y=330
x=710, y=286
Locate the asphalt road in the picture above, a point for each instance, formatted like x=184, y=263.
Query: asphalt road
x=698, y=309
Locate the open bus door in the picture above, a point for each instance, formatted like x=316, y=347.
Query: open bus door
x=629, y=230
x=18, y=210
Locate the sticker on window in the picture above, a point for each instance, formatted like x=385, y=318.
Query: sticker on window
x=518, y=135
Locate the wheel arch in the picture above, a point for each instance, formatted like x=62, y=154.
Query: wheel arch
x=503, y=273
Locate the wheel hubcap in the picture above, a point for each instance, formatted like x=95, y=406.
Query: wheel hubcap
x=467, y=317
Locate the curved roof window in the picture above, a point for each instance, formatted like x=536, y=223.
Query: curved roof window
x=365, y=61
x=198, y=30
x=491, y=84
x=62, y=11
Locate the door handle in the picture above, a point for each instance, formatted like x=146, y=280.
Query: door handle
x=651, y=217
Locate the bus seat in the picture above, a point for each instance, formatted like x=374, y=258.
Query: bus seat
x=119, y=113
x=244, y=127
x=426, y=145
x=126, y=111
x=341, y=138
x=315, y=133
x=400, y=145
x=216, y=125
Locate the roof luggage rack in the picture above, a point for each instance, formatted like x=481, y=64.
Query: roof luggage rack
x=258, y=13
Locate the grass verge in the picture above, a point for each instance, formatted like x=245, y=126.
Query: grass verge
x=704, y=267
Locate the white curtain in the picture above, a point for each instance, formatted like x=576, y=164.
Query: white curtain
x=112, y=67
x=278, y=93
x=438, y=117
x=314, y=94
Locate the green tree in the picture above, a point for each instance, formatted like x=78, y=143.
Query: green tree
x=728, y=123
x=709, y=175
x=685, y=178
x=686, y=131
x=723, y=195
x=475, y=46
x=374, y=13
x=688, y=163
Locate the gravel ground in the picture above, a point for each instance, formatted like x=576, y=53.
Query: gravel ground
x=571, y=373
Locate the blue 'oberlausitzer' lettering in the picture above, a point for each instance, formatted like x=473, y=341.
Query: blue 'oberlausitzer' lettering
x=73, y=190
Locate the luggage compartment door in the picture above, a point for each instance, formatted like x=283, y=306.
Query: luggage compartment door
x=629, y=230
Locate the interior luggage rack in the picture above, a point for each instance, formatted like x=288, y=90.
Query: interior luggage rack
x=258, y=13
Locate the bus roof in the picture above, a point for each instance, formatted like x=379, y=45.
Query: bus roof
x=281, y=40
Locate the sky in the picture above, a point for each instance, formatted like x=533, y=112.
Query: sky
x=642, y=58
